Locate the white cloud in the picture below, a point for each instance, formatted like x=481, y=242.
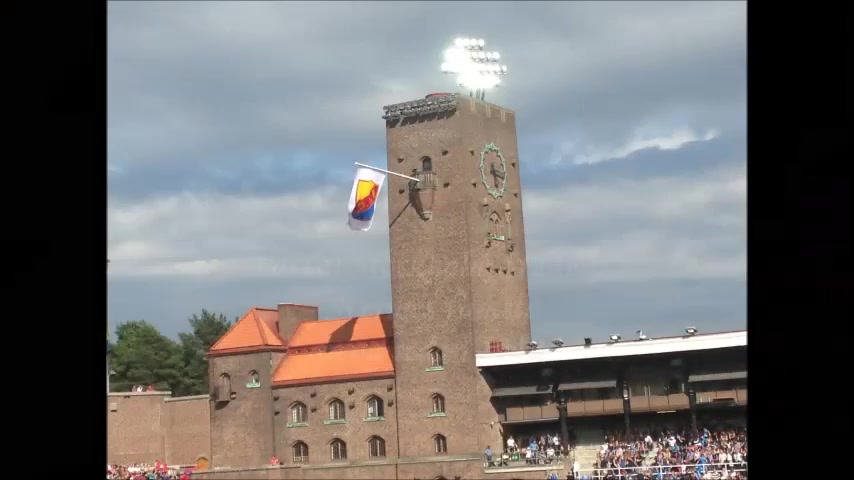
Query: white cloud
x=666, y=228
x=629, y=230
x=589, y=154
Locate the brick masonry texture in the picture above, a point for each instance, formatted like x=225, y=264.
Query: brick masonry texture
x=450, y=290
x=150, y=426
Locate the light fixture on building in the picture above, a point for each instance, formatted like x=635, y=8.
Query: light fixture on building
x=641, y=335
x=691, y=330
x=533, y=344
x=588, y=341
x=615, y=338
x=432, y=104
x=476, y=69
x=557, y=342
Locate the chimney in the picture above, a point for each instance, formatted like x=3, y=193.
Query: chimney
x=291, y=315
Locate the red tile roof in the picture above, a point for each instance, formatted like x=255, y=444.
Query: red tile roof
x=372, y=362
x=342, y=330
x=258, y=329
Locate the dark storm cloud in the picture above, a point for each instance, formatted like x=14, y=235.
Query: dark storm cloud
x=196, y=84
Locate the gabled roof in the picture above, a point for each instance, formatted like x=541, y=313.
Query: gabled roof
x=342, y=330
x=350, y=364
x=257, y=330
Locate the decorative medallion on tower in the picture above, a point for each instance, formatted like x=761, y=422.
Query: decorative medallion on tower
x=496, y=184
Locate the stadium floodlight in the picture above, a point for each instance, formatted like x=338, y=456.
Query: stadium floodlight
x=474, y=68
x=557, y=342
x=691, y=330
x=615, y=338
x=533, y=344
x=641, y=335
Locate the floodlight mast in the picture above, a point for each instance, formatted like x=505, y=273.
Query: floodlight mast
x=476, y=69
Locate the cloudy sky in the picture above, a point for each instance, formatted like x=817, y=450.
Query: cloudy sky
x=233, y=128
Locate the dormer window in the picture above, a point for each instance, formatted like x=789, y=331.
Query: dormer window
x=254, y=380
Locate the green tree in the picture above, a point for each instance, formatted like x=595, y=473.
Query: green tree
x=207, y=328
x=143, y=356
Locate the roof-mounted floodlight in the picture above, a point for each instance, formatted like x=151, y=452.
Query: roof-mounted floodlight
x=641, y=335
x=533, y=344
x=691, y=330
x=615, y=338
x=475, y=68
x=557, y=342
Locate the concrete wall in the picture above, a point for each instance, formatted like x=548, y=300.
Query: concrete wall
x=153, y=426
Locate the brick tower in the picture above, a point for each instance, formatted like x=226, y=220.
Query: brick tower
x=458, y=270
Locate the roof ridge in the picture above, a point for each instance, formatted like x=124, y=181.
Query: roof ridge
x=266, y=309
x=232, y=327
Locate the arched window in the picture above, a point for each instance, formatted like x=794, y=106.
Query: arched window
x=440, y=444
x=336, y=410
x=299, y=414
x=375, y=407
x=436, y=360
x=300, y=450
x=254, y=380
x=376, y=447
x=426, y=164
x=438, y=403
x=339, y=450
x=223, y=389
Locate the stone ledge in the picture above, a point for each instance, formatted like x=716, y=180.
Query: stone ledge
x=141, y=394
x=190, y=397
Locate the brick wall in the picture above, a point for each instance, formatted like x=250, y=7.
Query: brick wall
x=144, y=427
x=187, y=429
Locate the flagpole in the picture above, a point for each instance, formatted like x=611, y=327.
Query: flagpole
x=386, y=171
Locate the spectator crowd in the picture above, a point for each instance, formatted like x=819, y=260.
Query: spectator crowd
x=542, y=449
x=142, y=471
x=665, y=454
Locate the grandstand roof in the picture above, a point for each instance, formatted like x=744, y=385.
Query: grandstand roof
x=685, y=343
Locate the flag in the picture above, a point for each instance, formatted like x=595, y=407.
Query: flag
x=363, y=198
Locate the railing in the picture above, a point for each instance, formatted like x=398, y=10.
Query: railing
x=710, y=470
